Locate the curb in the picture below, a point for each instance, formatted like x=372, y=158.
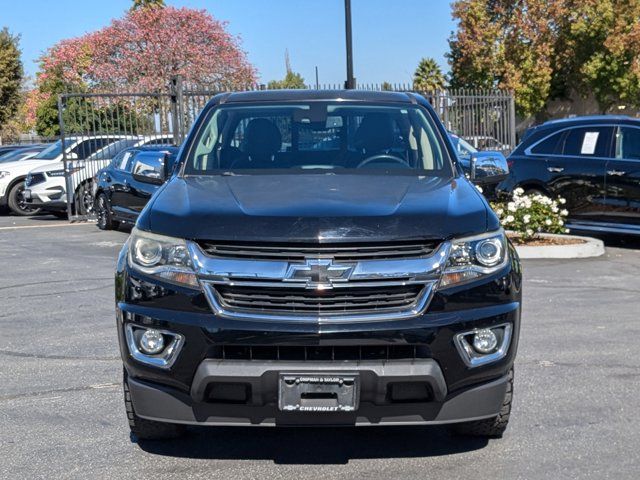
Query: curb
x=592, y=247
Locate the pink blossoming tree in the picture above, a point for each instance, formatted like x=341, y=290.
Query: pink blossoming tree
x=142, y=52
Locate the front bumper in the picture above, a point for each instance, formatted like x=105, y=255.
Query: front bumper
x=48, y=195
x=161, y=403
x=51, y=206
x=4, y=185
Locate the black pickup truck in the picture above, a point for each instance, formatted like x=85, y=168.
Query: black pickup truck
x=318, y=258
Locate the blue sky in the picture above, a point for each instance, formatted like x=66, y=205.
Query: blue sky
x=390, y=36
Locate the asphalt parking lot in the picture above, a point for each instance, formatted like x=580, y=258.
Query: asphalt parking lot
x=577, y=391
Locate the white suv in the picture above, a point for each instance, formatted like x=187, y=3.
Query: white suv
x=13, y=172
x=46, y=186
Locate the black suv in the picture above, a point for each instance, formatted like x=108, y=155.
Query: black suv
x=123, y=188
x=318, y=258
x=593, y=162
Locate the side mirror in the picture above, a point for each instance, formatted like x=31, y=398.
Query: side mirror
x=488, y=168
x=149, y=170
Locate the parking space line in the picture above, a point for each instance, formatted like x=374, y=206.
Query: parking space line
x=61, y=224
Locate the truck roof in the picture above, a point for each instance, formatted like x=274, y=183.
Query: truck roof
x=308, y=94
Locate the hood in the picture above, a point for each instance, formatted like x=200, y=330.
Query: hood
x=316, y=208
x=45, y=166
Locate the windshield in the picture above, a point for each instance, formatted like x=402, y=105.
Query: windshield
x=326, y=136
x=52, y=151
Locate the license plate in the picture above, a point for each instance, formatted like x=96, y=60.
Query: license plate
x=26, y=194
x=318, y=393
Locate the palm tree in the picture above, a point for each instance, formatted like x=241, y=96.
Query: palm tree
x=428, y=77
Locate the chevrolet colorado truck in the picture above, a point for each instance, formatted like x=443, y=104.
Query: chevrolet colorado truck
x=318, y=258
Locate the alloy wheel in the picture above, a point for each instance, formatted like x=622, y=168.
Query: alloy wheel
x=22, y=203
x=101, y=210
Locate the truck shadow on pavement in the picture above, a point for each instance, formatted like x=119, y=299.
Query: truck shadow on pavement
x=313, y=445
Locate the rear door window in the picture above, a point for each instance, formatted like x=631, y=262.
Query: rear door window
x=588, y=142
x=550, y=145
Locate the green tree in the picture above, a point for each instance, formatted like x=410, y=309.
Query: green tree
x=81, y=115
x=428, y=77
x=147, y=3
x=508, y=45
x=386, y=87
x=47, y=110
x=598, y=52
x=542, y=49
x=11, y=73
x=291, y=80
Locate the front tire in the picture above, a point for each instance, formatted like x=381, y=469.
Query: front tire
x=145, y=429
x=103, y=210
x=86, y=203
x=490, y=427
x=17, y=202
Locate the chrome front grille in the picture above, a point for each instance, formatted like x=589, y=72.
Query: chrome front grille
x=338, y=252
x=321, y=302
x=332, y=283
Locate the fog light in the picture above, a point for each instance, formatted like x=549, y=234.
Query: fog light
x=152, y=342
x=484, y=345
x=485, y=341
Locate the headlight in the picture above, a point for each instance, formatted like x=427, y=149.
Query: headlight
x=164, y=257
x=4, y=174
x=473, y=257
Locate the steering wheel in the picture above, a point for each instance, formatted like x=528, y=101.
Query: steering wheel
x=383, y=156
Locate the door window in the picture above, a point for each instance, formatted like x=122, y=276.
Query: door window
x=628, y=143
x=549, y=146
x=588, y=142
x=87, y=148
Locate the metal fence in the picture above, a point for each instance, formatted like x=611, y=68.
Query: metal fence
x=96, y=125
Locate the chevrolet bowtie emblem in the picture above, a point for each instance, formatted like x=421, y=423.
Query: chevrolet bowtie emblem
x=319, y=273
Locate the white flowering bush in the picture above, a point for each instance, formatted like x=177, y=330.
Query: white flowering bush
x=528, y=215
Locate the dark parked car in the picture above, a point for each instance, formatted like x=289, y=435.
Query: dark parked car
x=124, y=187
x=593, y=162
x=466, y=152
x=318, y=258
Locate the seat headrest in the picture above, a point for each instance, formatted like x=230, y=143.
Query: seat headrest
x=375, y=133
x=262, y=138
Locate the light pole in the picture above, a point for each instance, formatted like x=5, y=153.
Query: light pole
x=351, y=82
